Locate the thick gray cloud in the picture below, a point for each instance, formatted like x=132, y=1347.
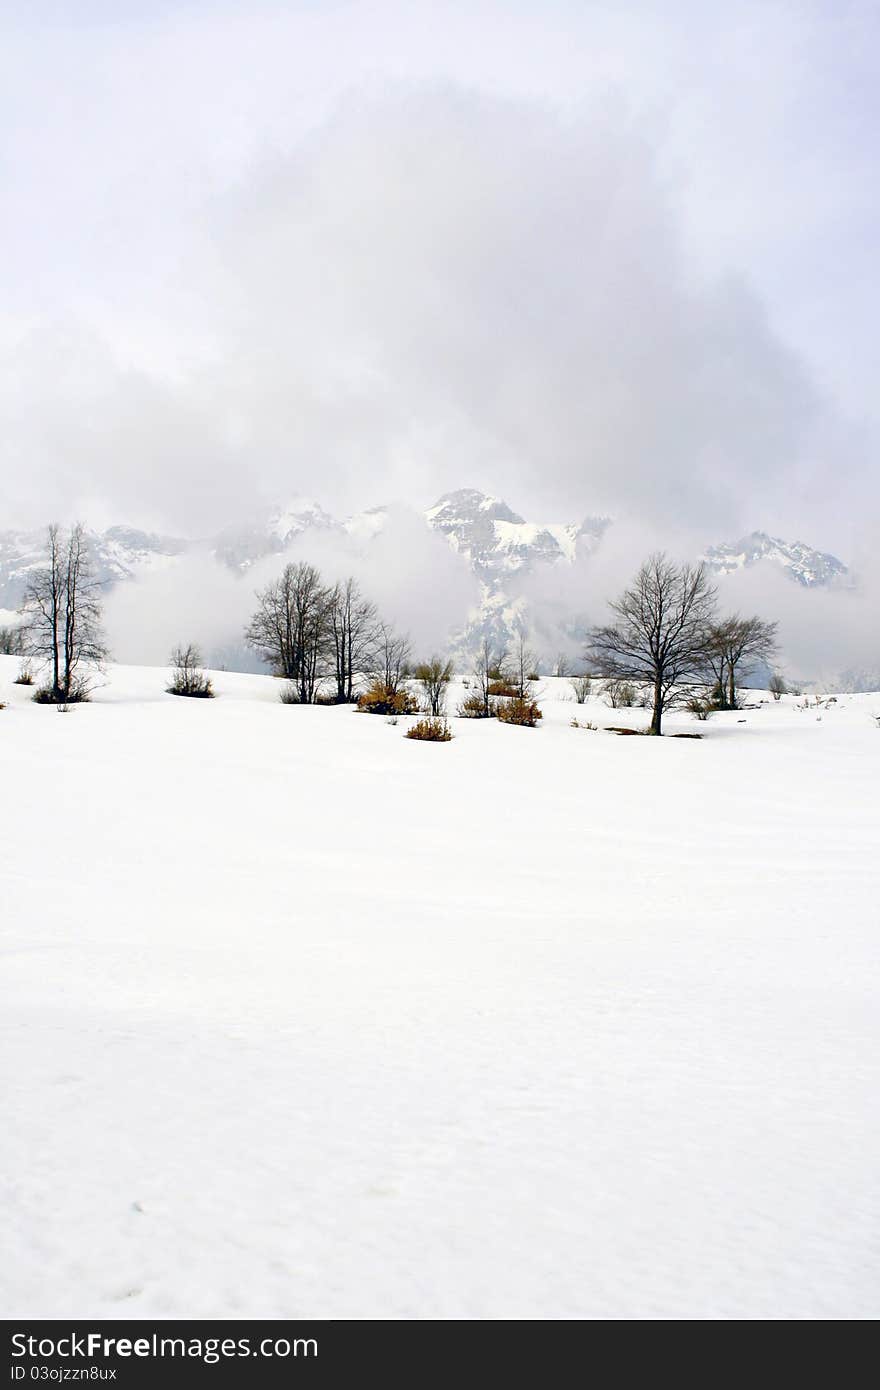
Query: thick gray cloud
x=588, y=257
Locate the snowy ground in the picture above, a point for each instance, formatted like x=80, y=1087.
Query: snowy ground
x=301, y=1018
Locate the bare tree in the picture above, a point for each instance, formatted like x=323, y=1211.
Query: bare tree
x=777, y=686
x=661, y=631
x=390, y=658
x=738, y=645
x=581, y=687
x=434, y=677
x=61, y=616
x=188, y=676
x=521, y=664
x=488, y=666
x=290, y=629
x=352, y=623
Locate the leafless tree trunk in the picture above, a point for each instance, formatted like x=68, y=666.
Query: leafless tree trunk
x=352, y=627
x=62, y=615
x=390, y=659
x=661, y=634
x=522, y=663
x=488, y=665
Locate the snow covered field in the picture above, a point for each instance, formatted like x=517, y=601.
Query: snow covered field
x=301, y=1018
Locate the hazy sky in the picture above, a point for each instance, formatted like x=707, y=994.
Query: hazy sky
x=592, y=257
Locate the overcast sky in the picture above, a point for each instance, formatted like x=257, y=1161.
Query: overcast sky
x=592, y=257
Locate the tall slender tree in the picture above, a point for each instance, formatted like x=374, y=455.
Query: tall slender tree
x=391, y=658
x=352, y=627
x=488, y=661
x=61, y=615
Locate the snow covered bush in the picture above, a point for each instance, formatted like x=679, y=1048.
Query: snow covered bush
x=381, y=699
x=431, y=730
x=520, y=710
x=502, y=687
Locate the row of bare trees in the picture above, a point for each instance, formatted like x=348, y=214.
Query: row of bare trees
x=311, y=632
x=666, y=635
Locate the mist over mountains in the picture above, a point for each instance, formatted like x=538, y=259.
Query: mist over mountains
x=466, y=568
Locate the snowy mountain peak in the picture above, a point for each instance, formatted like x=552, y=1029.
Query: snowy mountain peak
x=497, y=540
x=467, y=505
x=802, y=563
x=298, y=515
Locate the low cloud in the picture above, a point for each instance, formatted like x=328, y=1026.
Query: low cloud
x=418, y=583
x=432, y=288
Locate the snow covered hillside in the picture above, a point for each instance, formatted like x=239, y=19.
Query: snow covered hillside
x=302, y=1018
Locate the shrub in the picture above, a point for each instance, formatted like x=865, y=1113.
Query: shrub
x=381, y=699
x=187, y=676
x=431, y=730
x=24, y=677
x=620, y=694
x=700, y=707
x=777, y=687
x=45, y=695
x=474, y=707
x=581, y=688
x=11, y=641
x=434, y=676
x=502, y=687
x=520, y=711
x=587, y=724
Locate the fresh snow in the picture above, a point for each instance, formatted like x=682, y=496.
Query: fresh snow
x=302, y=1018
